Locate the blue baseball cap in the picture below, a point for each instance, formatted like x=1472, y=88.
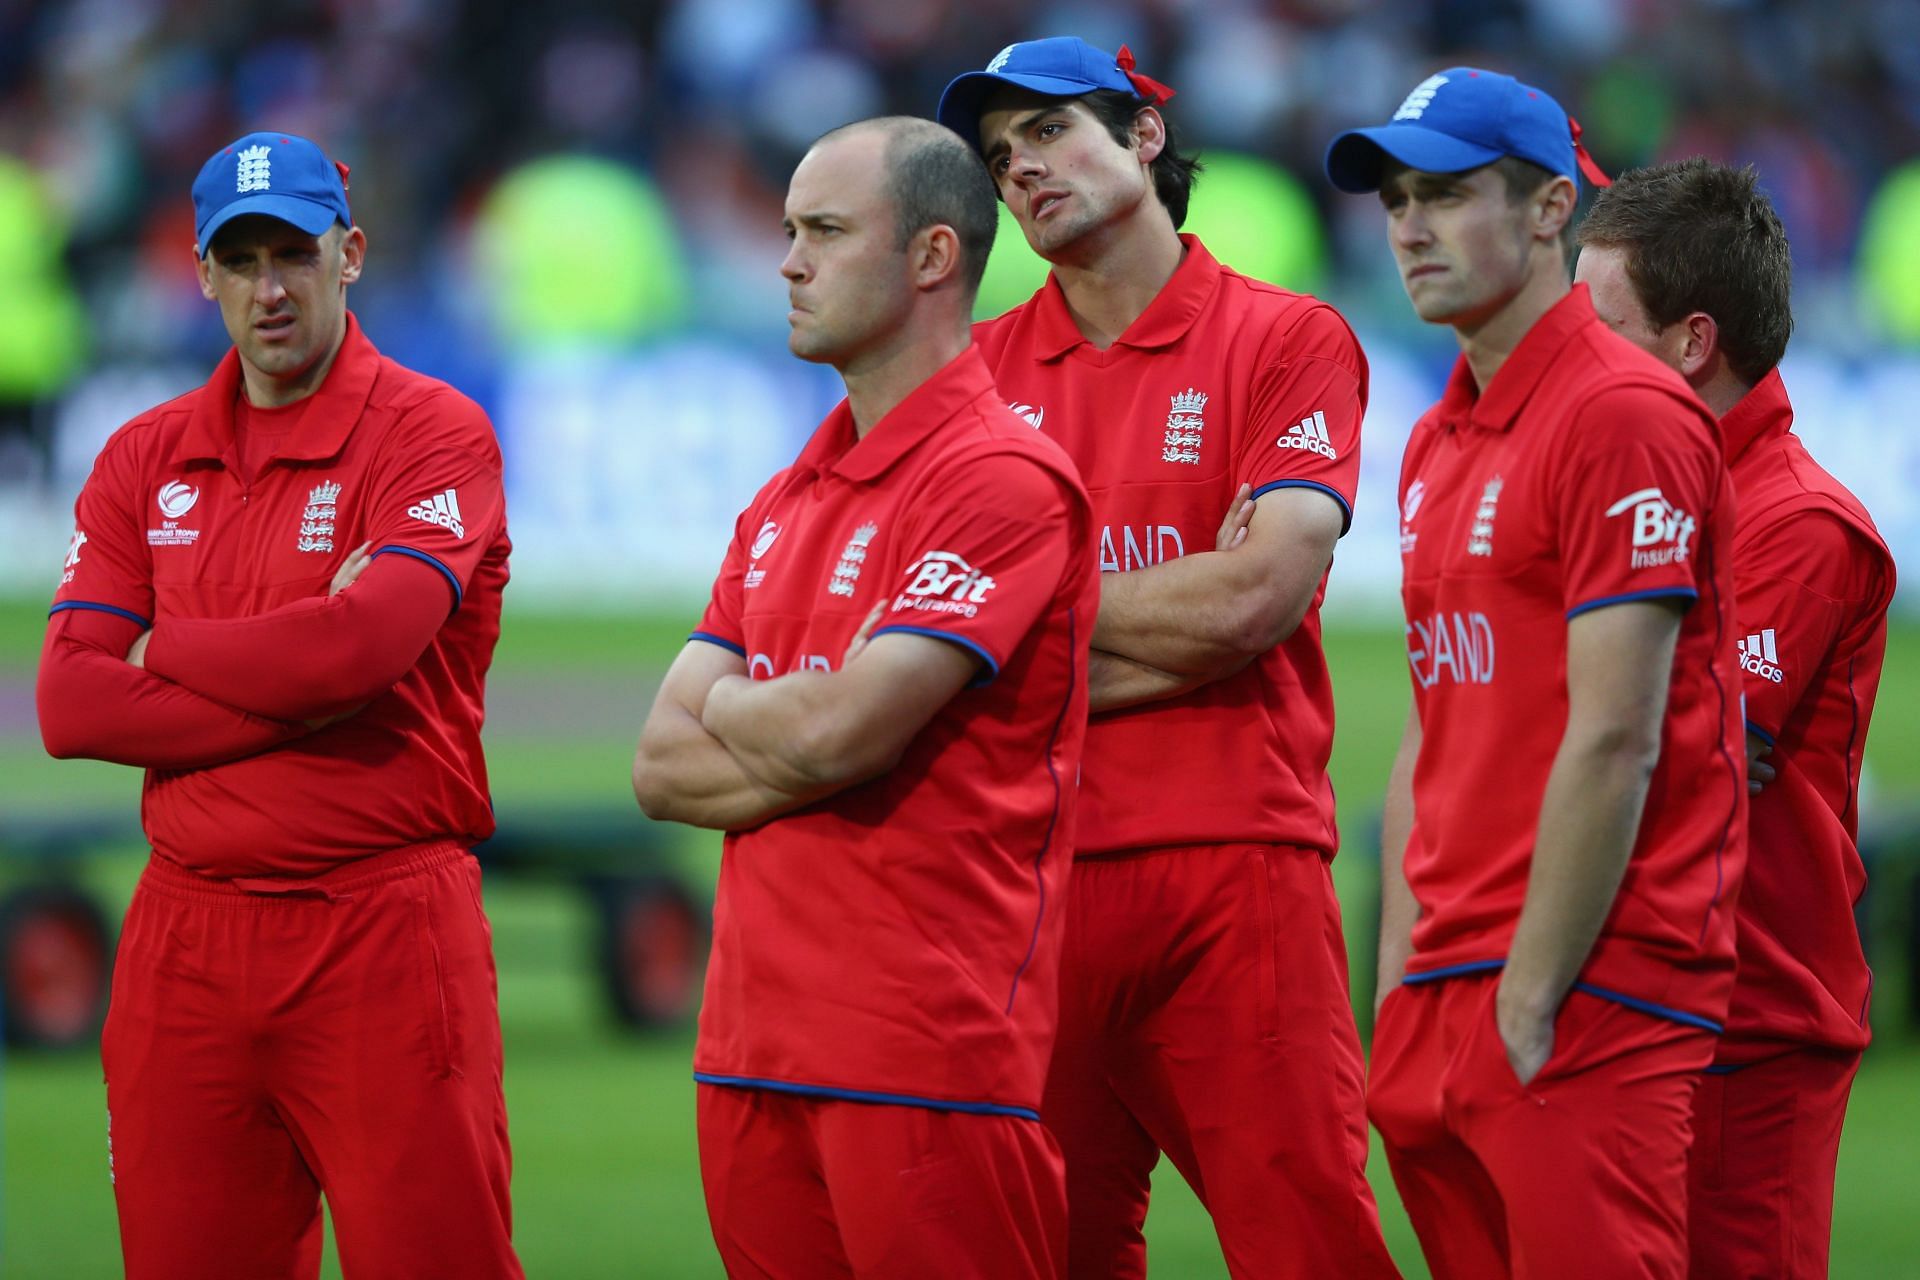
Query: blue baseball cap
x=276, y=174
x=1460, y=119
x=1058, y=67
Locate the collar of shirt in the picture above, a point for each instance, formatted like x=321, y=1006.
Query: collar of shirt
x=1165, y=321
x=835, y=447
x=1763, y=411
x=326, y=419
x=1498, y=408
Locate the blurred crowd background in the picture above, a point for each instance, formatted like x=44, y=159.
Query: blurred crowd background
x=573, y=212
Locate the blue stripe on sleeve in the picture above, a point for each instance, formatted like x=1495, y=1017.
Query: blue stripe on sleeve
x=1658, y=593
x=1761, y=734
x=424, y=558
x=711, y=638
x=863, y=1095
x=993, y=668
x=1346, y=509
x=128, y=614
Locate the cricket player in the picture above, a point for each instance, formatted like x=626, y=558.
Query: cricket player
x=280, y=600
x=1204, y=1002
x=1688, y=261
x=883, y=707
x=1565, y=822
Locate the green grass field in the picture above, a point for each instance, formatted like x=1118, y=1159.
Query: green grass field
x=605, y=1175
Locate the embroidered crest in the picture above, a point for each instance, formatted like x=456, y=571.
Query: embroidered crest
x=847, y=572
x=256, y=170
x=317, y=520
x=1184, y=424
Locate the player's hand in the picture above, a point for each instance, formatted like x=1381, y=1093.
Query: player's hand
x=351, y=568
x=860, y=637
x=137, y=655
x=1759, y=772
x=1233, y=528
x=1527, y=1036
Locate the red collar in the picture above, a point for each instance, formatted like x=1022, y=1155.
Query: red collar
x=1165, y=321
x=325, y=419
x=1763, y=411
x=1498, y=408
x=926, y=409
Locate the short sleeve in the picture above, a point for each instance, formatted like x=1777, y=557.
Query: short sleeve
x=721, y=623
x=1304, y=427
x=108, y=565
x=986, y=554
x=1635, y=497
x=437, y=495
x=1795, y=592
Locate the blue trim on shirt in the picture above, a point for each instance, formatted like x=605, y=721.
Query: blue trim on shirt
x=424, y=558
x=1046, y=841
x=1761, y=734
x=1726, y=1068
x=1632, y=1002
x=710, y=638
x=1346, y=511
x=1657, y=593
x=128, y=614
x=1452, y=971
x=863, y=1095
x=1853, y=737
x=993, y=668
x=1649, y=1007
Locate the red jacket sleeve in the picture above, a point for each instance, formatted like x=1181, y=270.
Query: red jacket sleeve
x=1304, y=430
x=94, y=705
x=314, y=657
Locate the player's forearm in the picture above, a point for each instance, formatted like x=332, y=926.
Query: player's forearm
x=682, y=773
x=798, y=733
x=1114, y=682
x=1399, y=910
x=1204, y=615
x=92, y=705
x=314, y=657
x=1589, y=820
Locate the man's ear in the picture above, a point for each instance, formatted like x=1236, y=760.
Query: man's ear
x=1149, y=134
x=1699, y=343
x=203, y=271
x=353, y=253
x=1553, y=207
x=936, y=256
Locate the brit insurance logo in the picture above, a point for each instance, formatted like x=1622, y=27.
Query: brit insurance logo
x=1185, y=422
x=174, y=499
x=942, y=582
x=762, y=543
x=317, y=519
x=1760, y=657
x=847, y=573
x=1661, y=531
x=1310, y=434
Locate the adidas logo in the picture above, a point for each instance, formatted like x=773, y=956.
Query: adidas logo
x=442, y=509
x=1309, y=434
x=1759, y=657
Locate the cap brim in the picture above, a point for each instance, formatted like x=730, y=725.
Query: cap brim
x=308, y=215
x=960, y=105
x=1356, y=159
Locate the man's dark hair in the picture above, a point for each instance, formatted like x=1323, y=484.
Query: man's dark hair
x=934, y=177
x=1523, y=178
x=1699, y=236
x=1173, y=173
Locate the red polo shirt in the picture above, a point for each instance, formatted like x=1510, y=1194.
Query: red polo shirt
x=898, y=941
x=1221, y=381
x=167, y=529
x=1586, y=475
x=1813, y=580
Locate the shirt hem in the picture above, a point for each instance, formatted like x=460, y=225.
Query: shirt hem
x=869, y=1096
